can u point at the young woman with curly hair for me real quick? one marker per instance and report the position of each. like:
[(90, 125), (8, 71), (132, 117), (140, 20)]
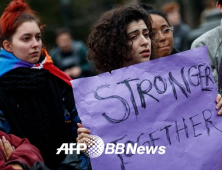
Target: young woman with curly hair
[(119, 38)]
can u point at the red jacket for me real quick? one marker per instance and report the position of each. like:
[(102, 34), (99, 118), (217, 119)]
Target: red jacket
[(25, 154)]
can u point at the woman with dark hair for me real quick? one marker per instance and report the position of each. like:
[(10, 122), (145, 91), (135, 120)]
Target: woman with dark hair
[(36, 97), (162, 41), (120, 38)]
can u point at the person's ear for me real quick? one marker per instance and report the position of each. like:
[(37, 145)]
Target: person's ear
[(7, 46), (219, 6)]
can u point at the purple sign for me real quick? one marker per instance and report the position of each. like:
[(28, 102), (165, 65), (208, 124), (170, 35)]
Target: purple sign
[(166, 102)]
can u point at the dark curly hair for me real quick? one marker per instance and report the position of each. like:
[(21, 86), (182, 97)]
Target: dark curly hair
[(108, 41)]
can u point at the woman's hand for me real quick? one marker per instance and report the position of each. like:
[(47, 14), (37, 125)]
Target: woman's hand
[(8, 149), (219, 104), (83, 134)]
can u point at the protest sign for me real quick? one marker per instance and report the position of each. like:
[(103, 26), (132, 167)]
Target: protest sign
[(164, 102)]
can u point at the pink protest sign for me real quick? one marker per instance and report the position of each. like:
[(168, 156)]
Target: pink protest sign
[(164, 102)]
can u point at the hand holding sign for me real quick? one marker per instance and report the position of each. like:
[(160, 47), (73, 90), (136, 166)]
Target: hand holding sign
[(83, 134), (219, 104)]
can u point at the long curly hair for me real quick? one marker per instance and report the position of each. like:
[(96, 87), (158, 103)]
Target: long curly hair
[(108, 42)]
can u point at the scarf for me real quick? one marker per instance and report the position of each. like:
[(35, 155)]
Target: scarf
[(36, 95), (9, 62)]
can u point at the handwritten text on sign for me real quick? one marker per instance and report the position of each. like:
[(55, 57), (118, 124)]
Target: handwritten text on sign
[(165, 102)]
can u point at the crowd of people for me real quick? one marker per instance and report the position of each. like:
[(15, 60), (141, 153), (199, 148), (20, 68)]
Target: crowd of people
[(37, 107)]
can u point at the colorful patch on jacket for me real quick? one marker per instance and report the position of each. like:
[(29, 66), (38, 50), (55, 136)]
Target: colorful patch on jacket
[(67, 116)]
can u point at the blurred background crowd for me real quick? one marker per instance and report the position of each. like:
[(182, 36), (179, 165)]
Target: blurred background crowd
[(190, 19)]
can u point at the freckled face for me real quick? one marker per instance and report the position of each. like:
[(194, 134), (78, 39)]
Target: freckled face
[(26, 42), (138, 34)]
